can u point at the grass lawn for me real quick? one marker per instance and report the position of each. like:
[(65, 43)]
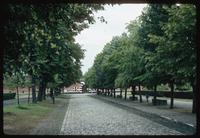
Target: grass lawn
[(21, 119)]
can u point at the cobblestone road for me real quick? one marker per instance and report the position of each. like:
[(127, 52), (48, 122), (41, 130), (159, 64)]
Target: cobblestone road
[(90, 116)]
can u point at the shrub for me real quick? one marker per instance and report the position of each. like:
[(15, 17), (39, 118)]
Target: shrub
[(8, 96)]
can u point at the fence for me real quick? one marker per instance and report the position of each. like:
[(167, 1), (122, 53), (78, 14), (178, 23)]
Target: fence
[(182, 95)]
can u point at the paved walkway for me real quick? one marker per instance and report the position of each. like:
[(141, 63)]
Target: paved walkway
[(179, 114), (98, 115)]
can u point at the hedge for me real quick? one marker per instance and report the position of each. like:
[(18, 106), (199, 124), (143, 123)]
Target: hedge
[(8, 96)]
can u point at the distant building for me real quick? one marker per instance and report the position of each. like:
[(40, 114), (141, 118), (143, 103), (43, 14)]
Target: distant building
[(76, 88), (20, 89)]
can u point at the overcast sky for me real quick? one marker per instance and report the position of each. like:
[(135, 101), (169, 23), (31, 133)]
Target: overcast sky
[(97, 35)]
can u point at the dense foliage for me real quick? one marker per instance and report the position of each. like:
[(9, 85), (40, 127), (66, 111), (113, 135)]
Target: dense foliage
[(41, 46), (159, 48)]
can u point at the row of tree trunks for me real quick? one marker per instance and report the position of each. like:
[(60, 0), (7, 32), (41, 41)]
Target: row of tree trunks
[(109, 92), (172, 97), (42, 90), (112, 91)]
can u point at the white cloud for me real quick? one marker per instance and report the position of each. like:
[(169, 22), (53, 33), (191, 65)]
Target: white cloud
[(97, 35)]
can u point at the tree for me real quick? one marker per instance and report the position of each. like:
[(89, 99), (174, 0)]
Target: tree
[(16, 80), (151, 22), (41, 42), (176, 52)]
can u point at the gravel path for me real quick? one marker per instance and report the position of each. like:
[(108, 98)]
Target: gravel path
[(89, 116)]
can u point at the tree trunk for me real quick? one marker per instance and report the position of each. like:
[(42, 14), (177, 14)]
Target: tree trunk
[(194, 98), (133, 91), (39, 98), (154, 97), (44, 91), (111, 94), (28, 95), (114, 93), (125, 93), (172, 95), (140, 94), (52, 95), (32, 59), (121, 93), (17, 95), (34, 100)]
